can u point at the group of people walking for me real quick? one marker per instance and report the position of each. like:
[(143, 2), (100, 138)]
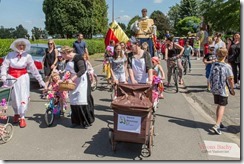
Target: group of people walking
[(55, 63)]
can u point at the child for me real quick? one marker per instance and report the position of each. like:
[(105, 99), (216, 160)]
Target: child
[(221, 76), (61, 66), (108, 56), (118, 65), (54, 87), (197, 48), (208, 59), (144, 46), (159, 72)]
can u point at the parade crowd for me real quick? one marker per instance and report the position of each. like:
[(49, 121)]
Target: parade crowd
[(137, 62)]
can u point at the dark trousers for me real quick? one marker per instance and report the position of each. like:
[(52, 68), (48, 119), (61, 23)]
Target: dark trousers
[(236, 72)]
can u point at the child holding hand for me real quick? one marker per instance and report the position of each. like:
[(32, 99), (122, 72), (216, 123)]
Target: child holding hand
[(158, 70)]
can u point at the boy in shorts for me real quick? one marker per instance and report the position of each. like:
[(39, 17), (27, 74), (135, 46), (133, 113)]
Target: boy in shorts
[(221, 82)]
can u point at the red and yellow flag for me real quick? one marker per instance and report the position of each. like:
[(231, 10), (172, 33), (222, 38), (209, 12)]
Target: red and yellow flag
[(115, 33)]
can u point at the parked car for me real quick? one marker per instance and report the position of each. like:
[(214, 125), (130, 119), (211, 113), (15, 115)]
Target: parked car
[(37, 52)]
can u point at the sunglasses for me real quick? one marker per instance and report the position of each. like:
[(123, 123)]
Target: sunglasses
[(50, 43)]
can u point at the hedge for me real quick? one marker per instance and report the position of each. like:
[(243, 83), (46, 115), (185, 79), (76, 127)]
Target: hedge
[(94, 45)]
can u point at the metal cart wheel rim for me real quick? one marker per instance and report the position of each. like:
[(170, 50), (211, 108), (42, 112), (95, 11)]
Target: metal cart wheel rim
[(7, 136)]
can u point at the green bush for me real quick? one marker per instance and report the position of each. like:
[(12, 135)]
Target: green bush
[(94, 45)]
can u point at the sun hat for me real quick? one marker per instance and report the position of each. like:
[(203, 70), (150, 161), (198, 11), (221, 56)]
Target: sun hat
[(155, 59), (15, 43)]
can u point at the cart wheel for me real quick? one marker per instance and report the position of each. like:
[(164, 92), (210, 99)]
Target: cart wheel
[(145, 152), (49, 117), (111, 139), (8, 132)]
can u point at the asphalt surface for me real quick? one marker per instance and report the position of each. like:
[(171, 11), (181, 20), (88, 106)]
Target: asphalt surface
[(196, 84), (181, 129)]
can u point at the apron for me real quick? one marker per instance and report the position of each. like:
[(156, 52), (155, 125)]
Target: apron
[(79, 95), (139, 70)]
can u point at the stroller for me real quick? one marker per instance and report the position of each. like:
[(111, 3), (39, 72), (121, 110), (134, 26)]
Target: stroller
[(133, 116), (6, 128)]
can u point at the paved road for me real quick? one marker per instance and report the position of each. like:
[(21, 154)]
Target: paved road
[(181, 133)]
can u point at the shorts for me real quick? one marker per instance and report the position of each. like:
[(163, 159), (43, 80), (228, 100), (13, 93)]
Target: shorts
[(120, 77), (220, 100)]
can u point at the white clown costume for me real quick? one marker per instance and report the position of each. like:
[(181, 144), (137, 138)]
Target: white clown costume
[(15, 66)]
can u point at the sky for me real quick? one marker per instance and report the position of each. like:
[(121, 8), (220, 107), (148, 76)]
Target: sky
[(29, 12)]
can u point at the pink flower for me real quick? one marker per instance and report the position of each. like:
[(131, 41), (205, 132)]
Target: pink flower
[(3, 102)]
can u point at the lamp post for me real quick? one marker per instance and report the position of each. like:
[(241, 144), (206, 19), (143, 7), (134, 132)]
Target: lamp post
[(112, 10)]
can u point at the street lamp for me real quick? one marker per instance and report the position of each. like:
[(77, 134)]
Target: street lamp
[(112, 10)]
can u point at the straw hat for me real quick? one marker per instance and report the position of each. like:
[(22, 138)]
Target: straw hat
[(14, 45)]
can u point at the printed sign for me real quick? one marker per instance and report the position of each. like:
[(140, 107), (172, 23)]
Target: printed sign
[(129, 123)]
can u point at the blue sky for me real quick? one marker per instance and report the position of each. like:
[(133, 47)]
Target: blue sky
[(29, 12)]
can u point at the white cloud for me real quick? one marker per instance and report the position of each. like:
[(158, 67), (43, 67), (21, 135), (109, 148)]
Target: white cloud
[(122, 11), (123, 18), (157, 1), (28, 21)]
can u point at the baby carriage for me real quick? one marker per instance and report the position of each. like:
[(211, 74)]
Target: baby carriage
[(133, 116), (6, 128)]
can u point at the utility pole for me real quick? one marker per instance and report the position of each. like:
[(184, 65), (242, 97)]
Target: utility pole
[(112, 10)]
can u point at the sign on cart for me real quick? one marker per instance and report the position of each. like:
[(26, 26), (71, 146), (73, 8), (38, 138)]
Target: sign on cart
[(129, 123)]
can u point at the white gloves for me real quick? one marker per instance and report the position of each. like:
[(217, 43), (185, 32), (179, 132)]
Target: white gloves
[(42, 84), (3, 78)]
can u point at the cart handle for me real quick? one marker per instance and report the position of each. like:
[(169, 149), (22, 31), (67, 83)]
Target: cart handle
[(8, 79)]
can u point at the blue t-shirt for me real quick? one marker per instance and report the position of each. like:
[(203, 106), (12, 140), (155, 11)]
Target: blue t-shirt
[(79, 47)]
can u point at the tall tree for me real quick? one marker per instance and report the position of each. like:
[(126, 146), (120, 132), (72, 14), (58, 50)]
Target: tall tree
[(20, 32), (162, 23), (173, 15), (188, 24), (222, 15), (68, 17), (188, 8)]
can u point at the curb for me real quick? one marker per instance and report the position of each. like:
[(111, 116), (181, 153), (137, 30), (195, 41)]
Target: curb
[(211, 112)]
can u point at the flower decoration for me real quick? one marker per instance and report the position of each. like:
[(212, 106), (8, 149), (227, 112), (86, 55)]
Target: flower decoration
[(50, 95), (3, 102), (67, 75), (156, 79)]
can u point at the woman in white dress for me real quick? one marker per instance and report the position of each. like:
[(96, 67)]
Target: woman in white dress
[(15, 66), (81, 100)]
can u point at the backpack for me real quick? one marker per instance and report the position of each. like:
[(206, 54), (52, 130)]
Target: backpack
[(217, 79)]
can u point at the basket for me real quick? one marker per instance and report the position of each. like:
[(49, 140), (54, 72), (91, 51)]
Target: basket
[(66, 86)]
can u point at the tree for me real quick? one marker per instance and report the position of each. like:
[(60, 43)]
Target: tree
[(188, 8), (173, 16), (6, 32), (68, 17), (162, 23), (20, 32), (128, 30), (37, 32), (222, 15), (188, 24)]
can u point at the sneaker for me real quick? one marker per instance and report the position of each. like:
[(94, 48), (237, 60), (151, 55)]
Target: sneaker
[(216, 129), (189, 70), (222, 127)]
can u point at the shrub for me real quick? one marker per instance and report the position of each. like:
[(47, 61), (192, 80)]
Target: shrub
[(94, 45)]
